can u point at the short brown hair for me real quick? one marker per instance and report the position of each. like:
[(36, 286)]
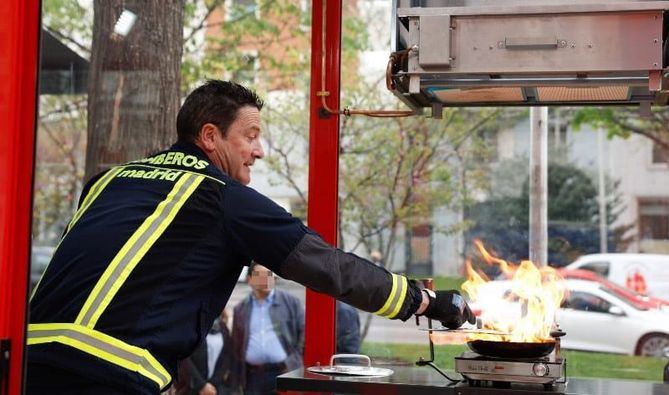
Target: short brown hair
[(214, 102)]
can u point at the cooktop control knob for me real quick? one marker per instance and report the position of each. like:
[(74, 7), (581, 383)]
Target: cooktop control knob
[(540, 369)]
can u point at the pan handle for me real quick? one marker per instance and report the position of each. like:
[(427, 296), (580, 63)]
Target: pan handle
[(351, 356)]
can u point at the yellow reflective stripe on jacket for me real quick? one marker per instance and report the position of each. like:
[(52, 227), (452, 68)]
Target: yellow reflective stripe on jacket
[(102, 346), (395, 300), (135, 248), (93, 193)]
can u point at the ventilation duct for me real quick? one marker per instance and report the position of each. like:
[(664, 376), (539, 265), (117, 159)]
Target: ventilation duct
[(505, 53)]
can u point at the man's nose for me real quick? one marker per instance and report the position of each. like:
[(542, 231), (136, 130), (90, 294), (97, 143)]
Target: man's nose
[(258, 152)]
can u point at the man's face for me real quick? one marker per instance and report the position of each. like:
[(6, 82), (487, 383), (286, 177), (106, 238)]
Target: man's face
[(237, 151), (261, 280)]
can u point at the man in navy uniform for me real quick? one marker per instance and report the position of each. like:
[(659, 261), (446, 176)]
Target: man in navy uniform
[(155, 248)]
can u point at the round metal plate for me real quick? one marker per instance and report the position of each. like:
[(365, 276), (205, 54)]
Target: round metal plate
[(351, 370)]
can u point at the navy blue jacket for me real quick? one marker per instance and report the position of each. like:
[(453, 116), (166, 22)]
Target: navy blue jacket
[(150, 259)]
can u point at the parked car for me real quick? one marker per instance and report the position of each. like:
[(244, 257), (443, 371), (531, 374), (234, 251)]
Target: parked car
[(643, 302), (40, 257), (647, 274), (593, 317)]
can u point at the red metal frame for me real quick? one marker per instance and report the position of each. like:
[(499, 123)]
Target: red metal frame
[(19, 24), (323, 171)]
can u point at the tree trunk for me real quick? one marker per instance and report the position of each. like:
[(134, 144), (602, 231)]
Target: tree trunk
[(133, 90)]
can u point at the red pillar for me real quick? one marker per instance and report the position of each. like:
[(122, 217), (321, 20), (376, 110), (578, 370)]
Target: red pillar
[(19, 38), (323, 171)]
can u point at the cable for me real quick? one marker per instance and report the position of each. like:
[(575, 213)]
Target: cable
[(395, 56)]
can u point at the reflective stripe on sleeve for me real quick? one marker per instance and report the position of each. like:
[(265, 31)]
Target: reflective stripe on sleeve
[(395, 300), (102, 346), (135, 248)]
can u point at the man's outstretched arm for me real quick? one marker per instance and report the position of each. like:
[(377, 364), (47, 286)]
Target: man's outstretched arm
[(362, 284)]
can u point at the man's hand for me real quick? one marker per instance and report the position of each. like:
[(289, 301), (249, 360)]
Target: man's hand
[(448, 307), (208, 389)]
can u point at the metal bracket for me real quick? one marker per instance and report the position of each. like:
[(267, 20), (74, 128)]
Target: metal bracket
[(323, 113), (644, 109), (434, 32), (437, 110), (422, 362), (4, 366)]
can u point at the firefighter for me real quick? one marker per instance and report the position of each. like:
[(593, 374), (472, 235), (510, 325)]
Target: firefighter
[(156, 246)]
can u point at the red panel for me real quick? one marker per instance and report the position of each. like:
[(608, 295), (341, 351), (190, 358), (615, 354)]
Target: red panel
[(323, 173), (19, 27)]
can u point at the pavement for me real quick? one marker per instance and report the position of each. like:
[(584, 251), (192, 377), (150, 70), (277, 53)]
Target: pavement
[(381, 330)]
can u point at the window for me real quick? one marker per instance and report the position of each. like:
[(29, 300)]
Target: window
[(601, 268), (584, 301), (660, 154), (654, 220)]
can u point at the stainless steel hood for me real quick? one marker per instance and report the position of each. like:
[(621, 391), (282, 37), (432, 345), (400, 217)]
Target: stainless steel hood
[(547, 52)]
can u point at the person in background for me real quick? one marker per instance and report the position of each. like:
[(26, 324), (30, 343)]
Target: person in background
[(348, 329), (267, 333), (210, 364)]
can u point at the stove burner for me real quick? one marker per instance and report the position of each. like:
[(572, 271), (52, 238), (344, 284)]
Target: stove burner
[(478, 369)]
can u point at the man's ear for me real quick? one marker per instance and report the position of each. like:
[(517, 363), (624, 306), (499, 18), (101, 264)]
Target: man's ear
[(207, 137)]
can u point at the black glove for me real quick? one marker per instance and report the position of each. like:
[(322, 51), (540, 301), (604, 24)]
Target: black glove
[(448, 307)]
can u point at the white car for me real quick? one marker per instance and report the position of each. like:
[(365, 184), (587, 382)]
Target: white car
[(593, 318)]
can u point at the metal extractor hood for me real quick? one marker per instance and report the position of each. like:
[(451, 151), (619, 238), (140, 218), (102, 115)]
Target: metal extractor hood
[(505, 53)]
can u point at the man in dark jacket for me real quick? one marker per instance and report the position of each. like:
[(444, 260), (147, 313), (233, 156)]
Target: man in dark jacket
[(348, 329), (155, 248), (267, 333)]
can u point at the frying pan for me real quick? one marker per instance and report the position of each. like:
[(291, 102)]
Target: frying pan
[(500, 349)]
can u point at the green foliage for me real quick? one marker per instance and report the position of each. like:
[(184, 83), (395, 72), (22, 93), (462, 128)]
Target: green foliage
[(625, 121), (600, 118), (572, 196), (70, 22), (255, 46), (448, 282)]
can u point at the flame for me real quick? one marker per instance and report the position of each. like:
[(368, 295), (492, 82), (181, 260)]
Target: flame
[(523, 308)]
